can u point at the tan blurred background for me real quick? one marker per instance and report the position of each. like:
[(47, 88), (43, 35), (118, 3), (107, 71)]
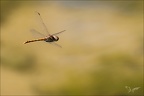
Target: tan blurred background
[(101, 54)]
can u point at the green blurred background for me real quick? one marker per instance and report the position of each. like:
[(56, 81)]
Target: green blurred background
[(101, 54)]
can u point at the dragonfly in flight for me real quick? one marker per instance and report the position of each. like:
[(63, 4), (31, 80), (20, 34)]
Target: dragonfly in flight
[(51, 38)]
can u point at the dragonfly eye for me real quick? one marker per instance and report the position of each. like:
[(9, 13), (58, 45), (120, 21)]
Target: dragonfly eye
[(56, 38)]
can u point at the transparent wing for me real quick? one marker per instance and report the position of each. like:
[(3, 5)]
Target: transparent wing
[(37, 34), (58, 32), (44, 26), (53, 43)]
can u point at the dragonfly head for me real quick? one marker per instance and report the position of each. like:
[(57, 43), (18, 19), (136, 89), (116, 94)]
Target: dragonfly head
[(56, 38)]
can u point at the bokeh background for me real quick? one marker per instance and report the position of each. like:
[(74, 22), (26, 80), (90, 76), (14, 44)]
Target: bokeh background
[(101, 54)]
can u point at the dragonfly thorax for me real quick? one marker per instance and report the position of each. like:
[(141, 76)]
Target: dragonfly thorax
[(52, 38)]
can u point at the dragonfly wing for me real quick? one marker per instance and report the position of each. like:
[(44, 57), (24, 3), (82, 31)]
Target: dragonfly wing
[(37, 34), (55, 44), (58, 32), (44, 26)]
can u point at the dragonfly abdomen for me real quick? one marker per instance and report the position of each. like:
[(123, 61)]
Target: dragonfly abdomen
[(43, 39)]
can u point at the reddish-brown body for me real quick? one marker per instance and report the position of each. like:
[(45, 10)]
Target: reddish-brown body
[(48, 38)]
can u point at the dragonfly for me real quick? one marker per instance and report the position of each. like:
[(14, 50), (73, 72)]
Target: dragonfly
[(50, 38)]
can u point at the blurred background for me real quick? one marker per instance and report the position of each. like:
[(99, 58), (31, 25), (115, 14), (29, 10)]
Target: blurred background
[(101, 54)]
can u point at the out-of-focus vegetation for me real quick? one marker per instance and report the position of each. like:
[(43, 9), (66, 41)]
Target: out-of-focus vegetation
[(101, 54)]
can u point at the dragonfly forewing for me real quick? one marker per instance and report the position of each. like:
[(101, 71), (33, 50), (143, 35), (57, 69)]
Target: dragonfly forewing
[(37, 34), (44, 26), (58, 32)]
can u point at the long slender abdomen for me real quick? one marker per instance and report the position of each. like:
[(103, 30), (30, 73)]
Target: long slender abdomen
[(34, 40)]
